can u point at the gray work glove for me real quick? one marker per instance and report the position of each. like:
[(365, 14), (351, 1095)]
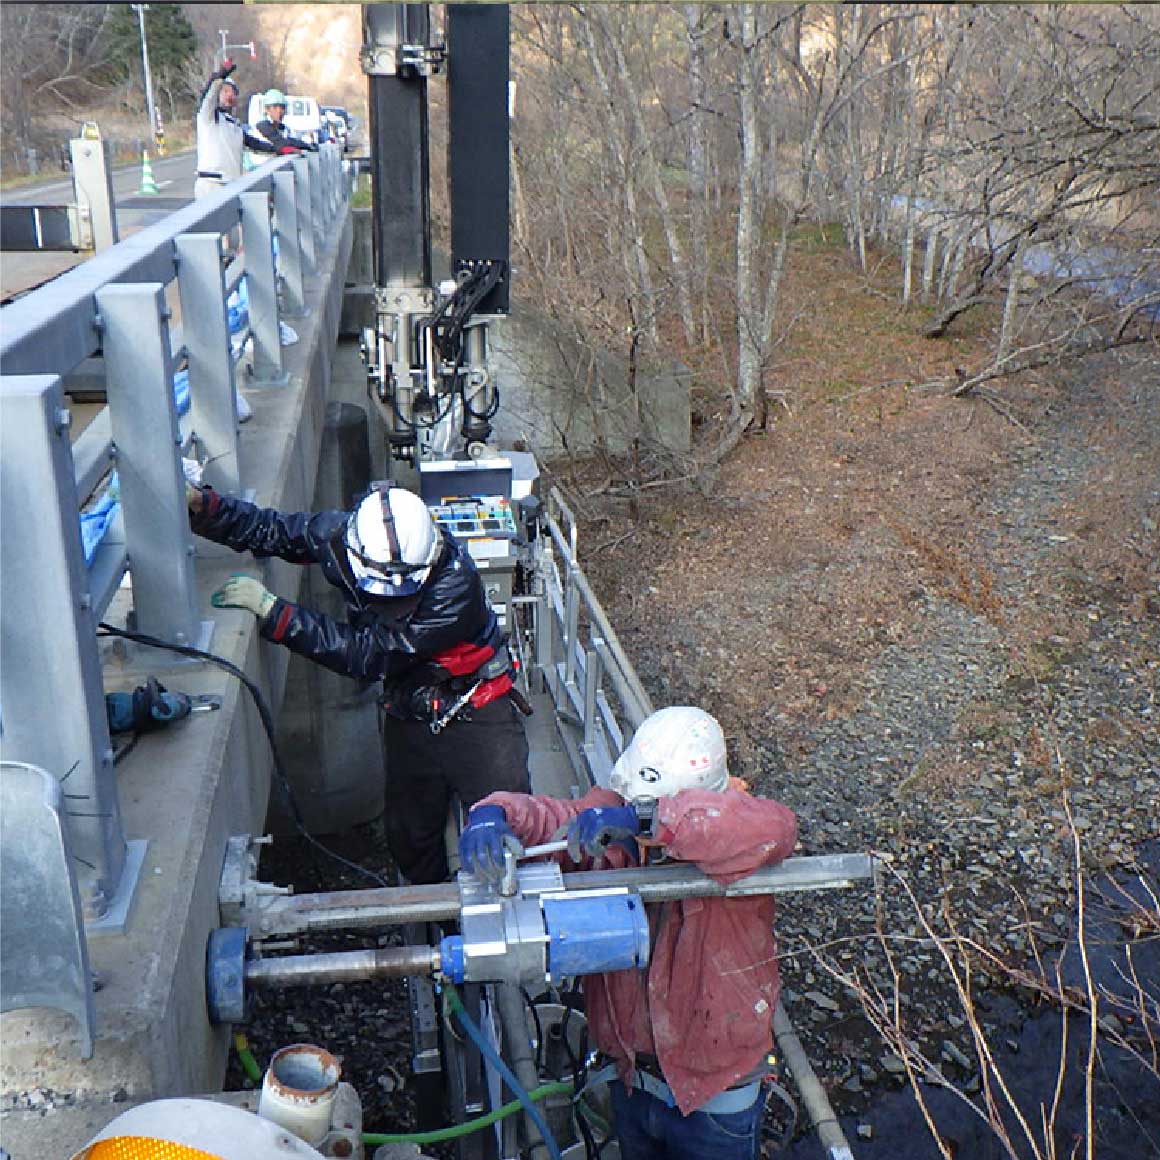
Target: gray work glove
[(242, 591)]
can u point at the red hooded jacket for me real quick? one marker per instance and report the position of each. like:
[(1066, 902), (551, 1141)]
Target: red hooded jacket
[(705, 1005)]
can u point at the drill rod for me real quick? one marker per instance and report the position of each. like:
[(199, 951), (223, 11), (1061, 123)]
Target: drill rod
[(385, 907), (342, 967)]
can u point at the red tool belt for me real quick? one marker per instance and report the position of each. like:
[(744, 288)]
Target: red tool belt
[(491, 668)]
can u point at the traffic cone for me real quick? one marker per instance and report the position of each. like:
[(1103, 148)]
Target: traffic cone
[(148, 185)]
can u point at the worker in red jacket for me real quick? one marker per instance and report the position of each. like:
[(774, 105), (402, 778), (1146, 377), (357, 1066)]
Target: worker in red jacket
[(690, 1036)]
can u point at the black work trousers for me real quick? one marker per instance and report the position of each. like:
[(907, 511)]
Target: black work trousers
[(423, 770)]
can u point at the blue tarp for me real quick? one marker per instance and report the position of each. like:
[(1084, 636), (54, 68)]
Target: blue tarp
[(96, 522)]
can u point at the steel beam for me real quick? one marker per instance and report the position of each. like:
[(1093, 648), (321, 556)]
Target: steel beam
[(54, 329), (139, 382), (262, 289), (212, 387), (51, 663)]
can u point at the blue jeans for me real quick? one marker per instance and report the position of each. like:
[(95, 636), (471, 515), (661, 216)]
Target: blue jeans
[(650, 1130)]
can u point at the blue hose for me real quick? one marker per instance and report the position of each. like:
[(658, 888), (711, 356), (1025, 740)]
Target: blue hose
[(492, 1056)]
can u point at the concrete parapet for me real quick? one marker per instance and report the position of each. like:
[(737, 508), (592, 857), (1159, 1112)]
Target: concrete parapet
[(185, 790)]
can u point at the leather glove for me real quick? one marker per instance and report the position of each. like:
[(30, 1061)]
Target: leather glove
[(592, 831), (483, 842), (242, 591), (228, 67)]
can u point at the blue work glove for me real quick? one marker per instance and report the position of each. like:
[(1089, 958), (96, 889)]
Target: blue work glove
[(592, 831), (483, 842)]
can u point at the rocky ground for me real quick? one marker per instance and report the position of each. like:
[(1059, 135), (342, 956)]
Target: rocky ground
[(934, 630), (930, 625)]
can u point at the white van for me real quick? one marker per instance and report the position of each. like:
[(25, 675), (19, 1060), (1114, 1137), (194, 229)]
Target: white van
[(303, 116)]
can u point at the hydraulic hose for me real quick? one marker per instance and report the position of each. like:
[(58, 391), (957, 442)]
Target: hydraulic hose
[(492, 1056), (438, 1135)]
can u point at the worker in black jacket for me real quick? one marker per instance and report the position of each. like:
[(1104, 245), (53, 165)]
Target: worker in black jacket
[(418, 618), (273, 125)]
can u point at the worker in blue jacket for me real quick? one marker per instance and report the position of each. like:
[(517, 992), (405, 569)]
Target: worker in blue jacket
[(418, 619)]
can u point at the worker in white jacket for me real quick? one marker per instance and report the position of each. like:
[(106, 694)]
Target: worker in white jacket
[(220, 135)]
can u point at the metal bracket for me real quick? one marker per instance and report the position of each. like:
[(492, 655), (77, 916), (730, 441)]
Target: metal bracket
[(392, 60), (241, 895), (399, 299)]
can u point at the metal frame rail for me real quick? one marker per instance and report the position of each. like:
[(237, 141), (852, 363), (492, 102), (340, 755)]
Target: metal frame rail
[(114, 306), (578, 656), (596, 692)]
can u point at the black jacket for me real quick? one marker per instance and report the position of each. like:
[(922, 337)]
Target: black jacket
[(383, 637), (280, 137)]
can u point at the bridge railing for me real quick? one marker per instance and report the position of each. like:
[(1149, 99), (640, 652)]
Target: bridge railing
[(164, 304), (593, 684)]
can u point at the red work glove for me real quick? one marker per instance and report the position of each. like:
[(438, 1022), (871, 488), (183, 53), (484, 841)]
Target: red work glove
[(228, 67)]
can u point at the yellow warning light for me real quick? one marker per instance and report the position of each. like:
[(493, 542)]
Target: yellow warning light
[(144, 1148)]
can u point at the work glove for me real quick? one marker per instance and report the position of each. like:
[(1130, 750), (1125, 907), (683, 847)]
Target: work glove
[(194, 491), (228, 67), (483, 842), (592, 831), (242, 591)]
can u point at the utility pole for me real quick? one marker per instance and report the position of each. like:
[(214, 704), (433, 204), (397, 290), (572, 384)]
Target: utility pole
[(140, 10)]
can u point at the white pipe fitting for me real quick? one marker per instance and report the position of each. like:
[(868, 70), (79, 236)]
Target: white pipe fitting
[(299, 1089)]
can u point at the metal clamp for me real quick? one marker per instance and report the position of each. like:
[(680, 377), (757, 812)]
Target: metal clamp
[(402, 59)]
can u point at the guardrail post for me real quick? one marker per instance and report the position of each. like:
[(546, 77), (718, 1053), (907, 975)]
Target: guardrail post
[(571, 627), (143, 418), (324, 173), (332, 156), (317, 225), (50, 681), (302, 183), (289, 245), (213, 401), (262, 287), (93, 188)]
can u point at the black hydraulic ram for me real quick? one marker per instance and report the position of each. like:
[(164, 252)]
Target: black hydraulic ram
[(397, 60)]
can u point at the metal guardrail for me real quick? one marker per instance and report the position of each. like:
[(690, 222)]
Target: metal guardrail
[(584, 668), (114, 306)]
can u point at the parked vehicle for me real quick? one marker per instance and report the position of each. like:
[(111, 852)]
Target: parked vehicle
[(344, 124)]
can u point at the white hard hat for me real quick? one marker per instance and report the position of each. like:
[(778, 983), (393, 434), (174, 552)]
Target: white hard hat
[(391, 542), (194, 1129), (681, 747)]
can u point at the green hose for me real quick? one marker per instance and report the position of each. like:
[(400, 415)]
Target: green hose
[(457, 1130), (246, 1058)]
